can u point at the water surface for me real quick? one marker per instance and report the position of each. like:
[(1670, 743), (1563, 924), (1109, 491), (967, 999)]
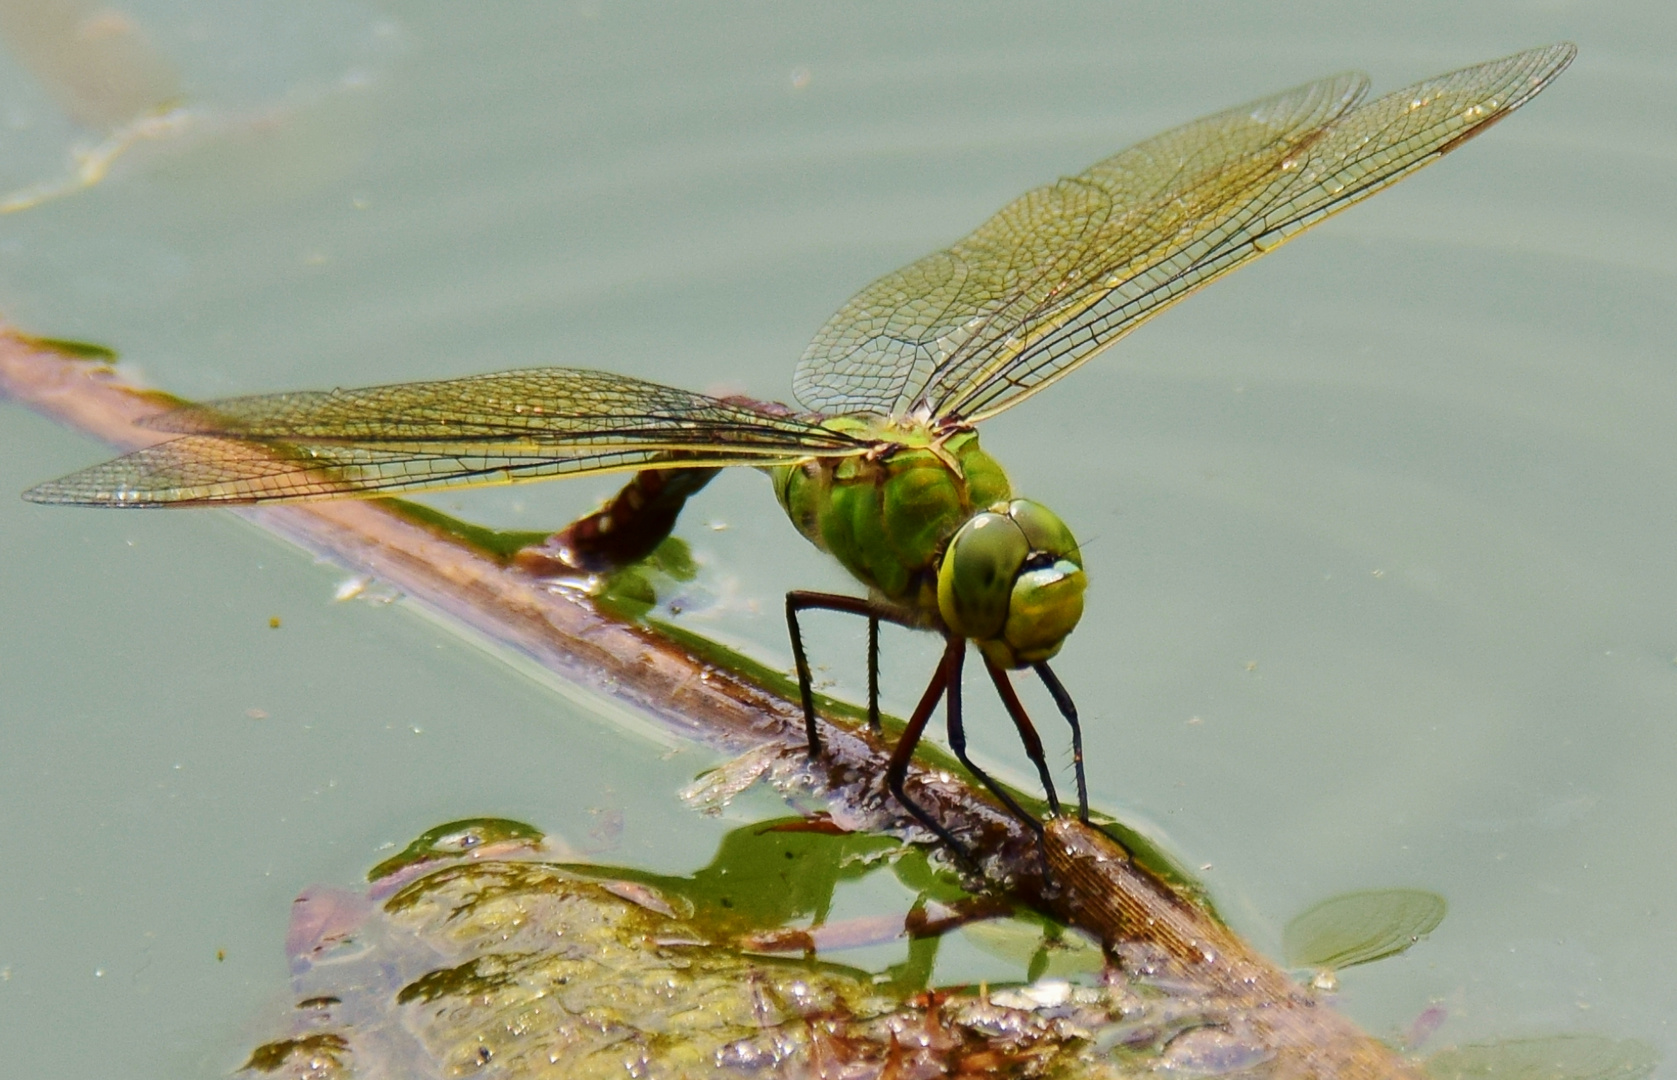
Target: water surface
[(1378, 529)]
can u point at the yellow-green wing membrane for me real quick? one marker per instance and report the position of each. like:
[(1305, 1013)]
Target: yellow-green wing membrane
[(1069, 268), (487, 429), (884, 349)]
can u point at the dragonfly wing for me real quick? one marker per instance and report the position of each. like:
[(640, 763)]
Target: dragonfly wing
[(487, 429), (1363, 151), (554, 407), (880, 352), (1069, 268), (201, 470)]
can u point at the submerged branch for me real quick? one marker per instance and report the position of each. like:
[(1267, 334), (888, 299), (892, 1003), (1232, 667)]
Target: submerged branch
[(1152, 930)]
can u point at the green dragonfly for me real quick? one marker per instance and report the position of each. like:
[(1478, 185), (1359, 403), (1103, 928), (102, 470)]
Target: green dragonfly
[(881, 467)]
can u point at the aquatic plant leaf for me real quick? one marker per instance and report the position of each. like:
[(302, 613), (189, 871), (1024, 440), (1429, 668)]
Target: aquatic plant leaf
[(1360, 927), (1557, 1057)]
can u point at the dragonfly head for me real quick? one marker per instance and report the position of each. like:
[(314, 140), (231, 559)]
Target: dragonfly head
[(1012, 580)]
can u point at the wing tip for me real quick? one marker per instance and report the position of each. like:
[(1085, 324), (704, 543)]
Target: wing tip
[(1555, 59), (63, 493), (1537, 67), (1544, 62)]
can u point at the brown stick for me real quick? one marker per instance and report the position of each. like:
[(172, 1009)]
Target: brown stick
[(1093, 884)]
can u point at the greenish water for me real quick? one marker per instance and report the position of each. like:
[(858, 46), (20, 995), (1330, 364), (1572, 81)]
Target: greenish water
[(1378, 530)]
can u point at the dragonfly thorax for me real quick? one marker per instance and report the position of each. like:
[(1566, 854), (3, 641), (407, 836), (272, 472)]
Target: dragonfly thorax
[(930, 525)]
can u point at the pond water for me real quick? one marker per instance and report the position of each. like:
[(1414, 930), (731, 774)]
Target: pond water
[(1378, 530)]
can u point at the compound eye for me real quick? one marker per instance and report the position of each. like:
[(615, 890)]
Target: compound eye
[(975, 581), (1044, 530), (1045, 606)]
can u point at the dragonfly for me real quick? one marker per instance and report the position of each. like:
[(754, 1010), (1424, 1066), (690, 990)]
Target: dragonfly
[(880, 465)]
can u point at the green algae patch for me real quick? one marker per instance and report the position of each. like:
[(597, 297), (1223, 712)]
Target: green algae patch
[(497, 544), (481, 975), (78, 350), (455, 839), (323, 1055)]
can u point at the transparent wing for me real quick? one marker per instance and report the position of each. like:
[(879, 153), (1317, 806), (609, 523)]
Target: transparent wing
[(1069, 268), (487, 429), (1365, 150), (880, 352)]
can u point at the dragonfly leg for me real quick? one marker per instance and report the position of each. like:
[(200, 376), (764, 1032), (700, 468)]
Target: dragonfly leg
[(873, 674), (802, 600), (897, 770), (958, 743), (1027, 731), (1068, 709)]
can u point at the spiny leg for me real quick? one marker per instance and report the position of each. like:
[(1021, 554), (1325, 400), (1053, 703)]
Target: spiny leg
[(1027, 732), (958, 743), (897, 770), (873, 674), (1068, 709), (801, 600)]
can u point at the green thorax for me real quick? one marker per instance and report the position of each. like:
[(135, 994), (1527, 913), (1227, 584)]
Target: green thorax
[(888, 516)]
